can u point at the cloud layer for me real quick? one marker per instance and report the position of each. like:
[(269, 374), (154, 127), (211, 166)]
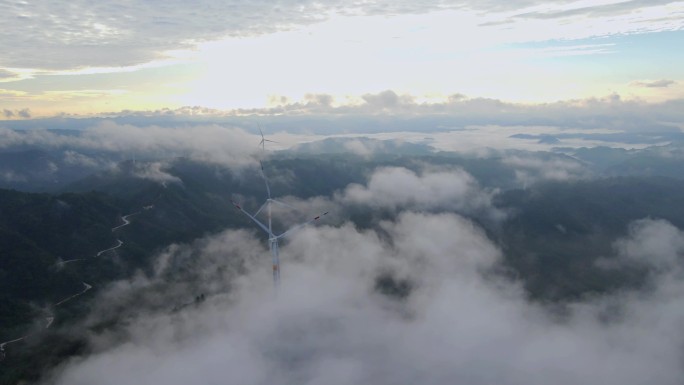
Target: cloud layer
[(229, 146), (331, 324), (530, 169), (55, 36), (390, 111)]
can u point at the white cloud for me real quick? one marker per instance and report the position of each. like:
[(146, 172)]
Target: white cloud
[(232, 147), (328, 324), (72, 157), (393, 111), (397, 187), (359, 147), (530, 169), (209, 143), (154, 171), (114, 34), (652, 242)]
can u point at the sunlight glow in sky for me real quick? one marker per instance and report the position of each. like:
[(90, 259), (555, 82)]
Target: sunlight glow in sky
[(509, 51)]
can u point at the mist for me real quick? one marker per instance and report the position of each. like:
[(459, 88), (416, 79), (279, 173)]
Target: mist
[(209, 143), (458, 319)]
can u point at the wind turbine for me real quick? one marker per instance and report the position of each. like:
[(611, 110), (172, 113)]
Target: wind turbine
[(263, 140), (273, 238)]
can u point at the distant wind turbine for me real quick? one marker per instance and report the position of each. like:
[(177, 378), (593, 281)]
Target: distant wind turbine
[(263, 140), (273, 238)]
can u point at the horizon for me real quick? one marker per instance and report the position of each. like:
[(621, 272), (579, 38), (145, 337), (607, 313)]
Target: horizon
[(112, 59)]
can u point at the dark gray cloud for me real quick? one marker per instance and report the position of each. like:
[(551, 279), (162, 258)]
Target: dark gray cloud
[(24, 113), (328, 324)]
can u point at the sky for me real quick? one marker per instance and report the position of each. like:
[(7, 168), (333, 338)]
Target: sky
[(103, 58)]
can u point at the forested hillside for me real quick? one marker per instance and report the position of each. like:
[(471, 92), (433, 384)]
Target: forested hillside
[(111, 225)]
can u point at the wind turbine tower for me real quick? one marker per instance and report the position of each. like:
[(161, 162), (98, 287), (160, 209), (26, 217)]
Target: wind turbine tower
[(273, 239)]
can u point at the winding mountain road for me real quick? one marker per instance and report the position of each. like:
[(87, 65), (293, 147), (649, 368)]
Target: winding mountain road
[(125, 220), (62, 263), (85, 289), (120, 243), (49, 319)]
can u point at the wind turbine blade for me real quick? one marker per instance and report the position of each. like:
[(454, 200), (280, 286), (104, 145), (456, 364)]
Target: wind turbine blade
[(260, 208), (263, 175), (263, 227), (263, 140), (283, 204), (299, 226)]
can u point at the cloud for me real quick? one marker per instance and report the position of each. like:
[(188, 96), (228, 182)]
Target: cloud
[(5, 75), (111, 34), (11, 176), (530, 169), (13, 95), (77, 159), (358, 147), (208, 143), (398, 188), (610, 9), (181, 272), (387, 100), (663, 83), (331, 323), (389, 111), (652, 242), (24, 113), (154, 171), (456, 123), (453, 124)]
